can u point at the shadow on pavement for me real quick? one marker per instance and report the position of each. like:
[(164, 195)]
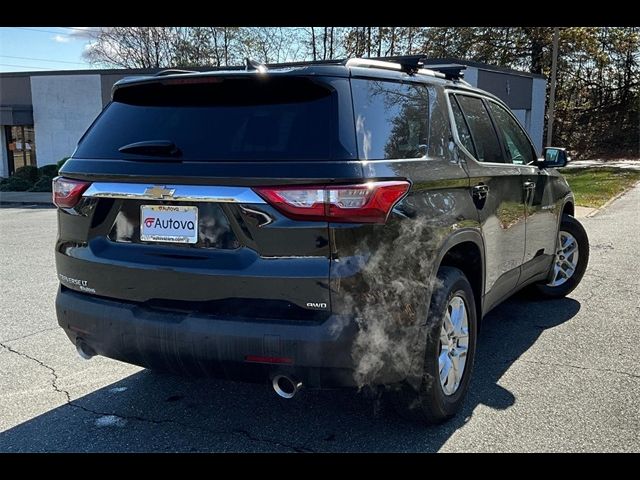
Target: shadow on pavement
[(149, 411)]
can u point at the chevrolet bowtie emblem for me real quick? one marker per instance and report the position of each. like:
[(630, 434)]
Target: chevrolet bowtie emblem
[(159, 192)]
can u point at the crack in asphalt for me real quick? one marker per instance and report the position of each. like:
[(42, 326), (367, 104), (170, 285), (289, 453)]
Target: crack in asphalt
[(242, 432), (28, 335), (569, 365), (52, 371)]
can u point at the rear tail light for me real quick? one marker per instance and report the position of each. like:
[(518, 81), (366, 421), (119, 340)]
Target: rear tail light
[(67, 192), (368, 202)]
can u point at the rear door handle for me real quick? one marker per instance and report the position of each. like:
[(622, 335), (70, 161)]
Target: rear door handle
[(481, 191), (479, 195)]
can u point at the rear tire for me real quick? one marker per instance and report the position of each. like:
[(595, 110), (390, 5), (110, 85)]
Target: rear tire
[(571, 234), (435, 400)]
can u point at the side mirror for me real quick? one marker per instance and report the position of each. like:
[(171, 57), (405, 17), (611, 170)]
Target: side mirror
[(554, 157)]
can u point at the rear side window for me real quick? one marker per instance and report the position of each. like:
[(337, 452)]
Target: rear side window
[(461, 125), (227, 119), (484, 135), (391, 119), (519, 148)]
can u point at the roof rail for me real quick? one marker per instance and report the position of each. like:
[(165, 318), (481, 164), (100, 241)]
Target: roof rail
[(419, 64), (172, 71), (371, 63), (411, 66)]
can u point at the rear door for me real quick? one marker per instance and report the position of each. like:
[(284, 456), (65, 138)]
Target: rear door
[(496, 187), (171, 219)]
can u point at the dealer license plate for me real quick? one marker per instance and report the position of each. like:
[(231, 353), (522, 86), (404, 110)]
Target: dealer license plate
[(169, 223)]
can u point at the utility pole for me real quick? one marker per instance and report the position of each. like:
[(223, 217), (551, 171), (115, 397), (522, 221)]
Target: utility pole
[(552, 92)]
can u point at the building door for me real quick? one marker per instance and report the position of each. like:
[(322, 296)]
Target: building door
[(21, 146)]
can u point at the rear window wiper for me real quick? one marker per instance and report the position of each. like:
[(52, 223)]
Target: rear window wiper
[(160, 148)]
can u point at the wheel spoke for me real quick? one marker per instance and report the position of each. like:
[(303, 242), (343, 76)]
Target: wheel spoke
[(444, 338), (455, 361), (452, 378), (570, 249), (458, 317), (568, 267), (447, 324), (445, 368), (461, 351), (462, 333), (556, 273), (459, 326)]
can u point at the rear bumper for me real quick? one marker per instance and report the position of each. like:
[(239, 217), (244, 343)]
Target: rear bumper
[(206, 345)]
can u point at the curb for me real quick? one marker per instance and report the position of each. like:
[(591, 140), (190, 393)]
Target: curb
[(5, 204), (611, 200), (8, 199)]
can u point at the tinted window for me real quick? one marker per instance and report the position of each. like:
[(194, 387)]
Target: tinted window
[(484, 135), (226, 119), (391, 119), (518, 146), (461, 126)]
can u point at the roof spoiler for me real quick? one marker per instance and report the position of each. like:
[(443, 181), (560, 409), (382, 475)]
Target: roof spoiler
[(173, 71)]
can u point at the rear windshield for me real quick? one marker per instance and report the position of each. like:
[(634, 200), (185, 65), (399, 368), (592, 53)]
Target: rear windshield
[(227, 119)]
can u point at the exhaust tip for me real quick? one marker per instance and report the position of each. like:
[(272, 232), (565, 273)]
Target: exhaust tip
[(84, 350), (285, 387)]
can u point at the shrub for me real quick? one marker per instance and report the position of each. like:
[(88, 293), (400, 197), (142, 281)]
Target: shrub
[(28, 173), (15, 184), (42, 185), (48, 171)]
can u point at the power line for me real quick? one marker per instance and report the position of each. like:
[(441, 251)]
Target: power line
[(81, 29), (38, 30), (42, 59), (29, 29), (23, 66)]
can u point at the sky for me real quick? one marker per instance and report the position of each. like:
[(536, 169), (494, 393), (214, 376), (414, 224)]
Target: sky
[(25, 49)]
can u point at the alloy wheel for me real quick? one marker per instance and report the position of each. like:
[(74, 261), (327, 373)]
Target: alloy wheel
[(566, 260), (454, 344)]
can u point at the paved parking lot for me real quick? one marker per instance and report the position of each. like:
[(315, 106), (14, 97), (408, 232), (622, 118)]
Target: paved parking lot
[(550, 376)]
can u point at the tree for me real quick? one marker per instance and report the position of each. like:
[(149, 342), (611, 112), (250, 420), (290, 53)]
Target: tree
[(133, 47), (597, 104)]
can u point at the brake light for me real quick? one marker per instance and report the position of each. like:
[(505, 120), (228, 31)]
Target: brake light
[(67, 192), (368, 202), (192, 80)]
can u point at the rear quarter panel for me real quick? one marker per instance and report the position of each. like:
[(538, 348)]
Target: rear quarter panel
[(382, 275)]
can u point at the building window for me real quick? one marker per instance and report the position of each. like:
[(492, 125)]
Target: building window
[(21, 146)]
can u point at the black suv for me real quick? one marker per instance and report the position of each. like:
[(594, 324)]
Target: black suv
[(322, 225)]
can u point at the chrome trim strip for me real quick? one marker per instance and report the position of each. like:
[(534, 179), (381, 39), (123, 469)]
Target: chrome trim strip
[(181, 193)]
